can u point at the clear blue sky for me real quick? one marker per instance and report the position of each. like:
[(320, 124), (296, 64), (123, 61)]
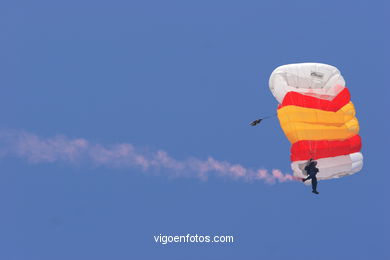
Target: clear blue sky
[(186, 77)]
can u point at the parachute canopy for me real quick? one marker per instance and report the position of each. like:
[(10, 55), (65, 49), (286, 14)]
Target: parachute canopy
[(318, 118)]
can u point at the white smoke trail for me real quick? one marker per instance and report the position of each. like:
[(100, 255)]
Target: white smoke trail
[(124, 155)]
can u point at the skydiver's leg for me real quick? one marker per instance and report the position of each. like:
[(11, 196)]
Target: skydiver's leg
[(314, 184), (308, 178)]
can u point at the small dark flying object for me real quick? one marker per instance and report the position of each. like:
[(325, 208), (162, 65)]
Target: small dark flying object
[(256, 122)]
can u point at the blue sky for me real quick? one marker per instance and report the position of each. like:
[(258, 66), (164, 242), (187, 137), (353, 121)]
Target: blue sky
[(185, 77)]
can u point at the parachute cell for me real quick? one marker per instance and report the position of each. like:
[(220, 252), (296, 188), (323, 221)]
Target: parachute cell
[(318, 118)]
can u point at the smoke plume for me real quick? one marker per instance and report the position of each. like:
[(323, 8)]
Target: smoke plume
[(60, 148)]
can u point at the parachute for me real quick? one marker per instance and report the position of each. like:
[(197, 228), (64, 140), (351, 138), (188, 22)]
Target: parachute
[(318, 118)]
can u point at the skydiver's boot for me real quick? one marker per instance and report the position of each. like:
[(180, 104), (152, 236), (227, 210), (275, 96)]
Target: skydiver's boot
[(314, 185)]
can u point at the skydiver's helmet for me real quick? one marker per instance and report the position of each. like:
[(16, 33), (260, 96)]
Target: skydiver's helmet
[(312, 162)]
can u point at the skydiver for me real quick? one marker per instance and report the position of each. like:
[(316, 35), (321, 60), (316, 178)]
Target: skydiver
[(312, 171)]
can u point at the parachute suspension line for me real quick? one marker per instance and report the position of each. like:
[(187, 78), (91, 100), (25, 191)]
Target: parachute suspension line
[(270, 116)]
